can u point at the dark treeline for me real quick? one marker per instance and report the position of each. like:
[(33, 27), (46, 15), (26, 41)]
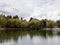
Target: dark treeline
[(14, 22)]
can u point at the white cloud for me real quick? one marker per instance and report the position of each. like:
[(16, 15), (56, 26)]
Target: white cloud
[(32, 8)]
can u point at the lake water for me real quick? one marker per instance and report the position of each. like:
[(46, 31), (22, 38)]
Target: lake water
[(29, 37)]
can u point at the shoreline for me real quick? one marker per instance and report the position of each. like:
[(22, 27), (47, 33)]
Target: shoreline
[(29, 29)]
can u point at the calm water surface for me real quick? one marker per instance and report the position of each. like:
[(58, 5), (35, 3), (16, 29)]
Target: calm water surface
[(32, 37)]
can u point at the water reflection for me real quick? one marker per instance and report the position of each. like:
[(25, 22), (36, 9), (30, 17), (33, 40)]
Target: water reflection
[(29, 37)]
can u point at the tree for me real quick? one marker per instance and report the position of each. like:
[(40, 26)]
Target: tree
[(34, 24), (15, 17), (13, 23), (51, 24), (58, 23), (43, 23), (2, 20), (9, 17), (31, 19)]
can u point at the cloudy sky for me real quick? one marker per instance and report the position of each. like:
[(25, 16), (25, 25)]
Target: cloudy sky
[(39, 9)]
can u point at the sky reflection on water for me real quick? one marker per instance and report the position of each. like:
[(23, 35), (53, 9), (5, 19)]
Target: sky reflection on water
[(29, 38)]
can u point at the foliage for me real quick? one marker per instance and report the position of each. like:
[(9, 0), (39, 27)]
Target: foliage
[(51, 24), (9, 17), (58, 23), (34, 24), (2, 20), (15, 22), (15, 17), (43, 23)]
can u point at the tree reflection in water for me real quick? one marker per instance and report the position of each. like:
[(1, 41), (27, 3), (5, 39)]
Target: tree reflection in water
[(6, 35)]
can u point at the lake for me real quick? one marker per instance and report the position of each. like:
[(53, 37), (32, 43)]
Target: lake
[(29, 37)]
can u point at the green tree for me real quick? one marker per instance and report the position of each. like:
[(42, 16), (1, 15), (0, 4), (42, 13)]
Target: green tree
[(2, 20), (34, 24), (9, 17), (51, 24), (43, 23), (15, 17), (13, 23), (31, 19), (58, 23)]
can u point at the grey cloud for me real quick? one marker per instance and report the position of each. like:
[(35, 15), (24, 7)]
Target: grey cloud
[(25, 8)]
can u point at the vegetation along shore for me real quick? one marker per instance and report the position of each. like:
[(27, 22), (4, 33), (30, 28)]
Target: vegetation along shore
[(16, 22)]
